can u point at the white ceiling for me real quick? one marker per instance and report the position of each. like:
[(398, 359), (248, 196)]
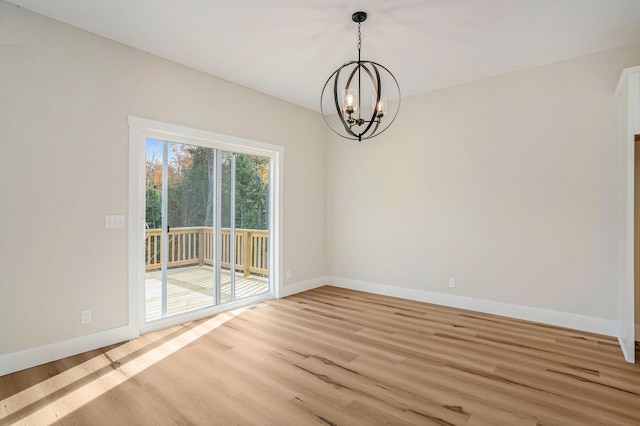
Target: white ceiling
[(288, 48)]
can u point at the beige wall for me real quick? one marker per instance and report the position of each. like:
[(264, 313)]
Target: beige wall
[(507, 184), (65, 96)]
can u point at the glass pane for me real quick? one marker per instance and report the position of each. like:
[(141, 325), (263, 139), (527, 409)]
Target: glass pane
[(189, 206), (252, 225), (153, 232), (225, 234)]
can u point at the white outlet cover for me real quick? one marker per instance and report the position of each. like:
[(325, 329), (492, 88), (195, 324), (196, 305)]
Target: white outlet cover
[(114, 221)]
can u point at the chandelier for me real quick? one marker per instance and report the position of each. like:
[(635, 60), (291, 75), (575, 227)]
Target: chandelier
[(345, 112)]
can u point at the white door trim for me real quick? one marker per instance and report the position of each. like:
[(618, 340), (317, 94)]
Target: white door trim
[(139, 130)]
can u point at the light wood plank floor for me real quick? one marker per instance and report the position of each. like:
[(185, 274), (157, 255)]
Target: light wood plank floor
[(331, 356), (192, 288)]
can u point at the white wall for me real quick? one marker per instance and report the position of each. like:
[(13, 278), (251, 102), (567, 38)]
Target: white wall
[(507, 184), (65, 96)]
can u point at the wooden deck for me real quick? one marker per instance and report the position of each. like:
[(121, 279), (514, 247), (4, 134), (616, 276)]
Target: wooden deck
[(192, 288)]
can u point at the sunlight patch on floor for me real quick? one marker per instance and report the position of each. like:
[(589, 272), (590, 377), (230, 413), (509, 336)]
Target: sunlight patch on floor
[(84, 394)]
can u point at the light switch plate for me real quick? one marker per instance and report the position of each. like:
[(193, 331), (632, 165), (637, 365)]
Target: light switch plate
[(114, 221)]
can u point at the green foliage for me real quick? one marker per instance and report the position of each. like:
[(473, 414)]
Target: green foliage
[(191, 185), (154, 194), (252, 184), (190, 200)]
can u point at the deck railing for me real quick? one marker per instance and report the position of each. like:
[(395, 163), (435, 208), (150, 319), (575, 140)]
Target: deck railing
[(194, 246)]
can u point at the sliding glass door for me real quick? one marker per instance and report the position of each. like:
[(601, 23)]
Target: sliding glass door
[(207, 232), (245, 219)]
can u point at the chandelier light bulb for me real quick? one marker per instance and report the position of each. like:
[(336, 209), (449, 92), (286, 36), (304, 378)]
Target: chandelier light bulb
[(349, 103), (379, 107)]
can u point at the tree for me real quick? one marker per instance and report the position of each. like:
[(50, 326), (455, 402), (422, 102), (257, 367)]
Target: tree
[(252, 181), (191, 189), (191, 183), (251, 195), (154, 192)]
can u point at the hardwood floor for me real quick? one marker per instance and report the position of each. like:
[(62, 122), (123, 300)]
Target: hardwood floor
[(331, 356)]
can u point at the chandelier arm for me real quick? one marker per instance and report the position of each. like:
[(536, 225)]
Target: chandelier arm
[(377, 87), (375, 129), (373, 81), (348, 84), (335, 98), (399, 98)]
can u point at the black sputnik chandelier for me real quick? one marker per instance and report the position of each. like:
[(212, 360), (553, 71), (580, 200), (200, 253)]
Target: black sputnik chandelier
[(353, 83)]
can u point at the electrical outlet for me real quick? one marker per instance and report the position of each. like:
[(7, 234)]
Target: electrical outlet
[(288, 273), (86, 316), (452, 282)]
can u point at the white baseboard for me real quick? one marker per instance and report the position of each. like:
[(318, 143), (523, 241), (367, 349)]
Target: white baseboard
[(562, 319), (290, 289), (628, 356), (16, 361)]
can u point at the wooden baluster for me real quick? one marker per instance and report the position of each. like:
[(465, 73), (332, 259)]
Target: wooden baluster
[(246, 255), (171, 247), (160, 250), (255, 252), (224, 256), (223, 248), (174, 247), (151, 241), (209, 247), (201, 248), (181, 252), (207, 242), (154, 250)]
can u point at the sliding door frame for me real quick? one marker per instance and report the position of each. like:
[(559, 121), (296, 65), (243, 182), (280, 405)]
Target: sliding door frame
[(140, 130)]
